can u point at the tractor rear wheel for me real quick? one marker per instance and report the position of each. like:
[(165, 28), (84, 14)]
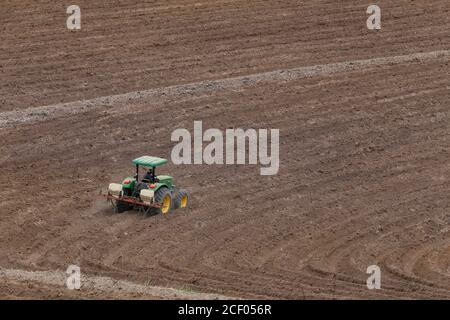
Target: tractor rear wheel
[(182, 199), (163, 197)]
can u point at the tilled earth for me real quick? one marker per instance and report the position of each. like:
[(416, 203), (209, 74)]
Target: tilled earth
[(364, 153)]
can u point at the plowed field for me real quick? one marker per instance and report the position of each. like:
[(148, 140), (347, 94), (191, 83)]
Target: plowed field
[(364, 120)]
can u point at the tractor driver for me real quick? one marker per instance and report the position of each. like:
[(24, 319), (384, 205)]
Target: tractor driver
[(150, 176)]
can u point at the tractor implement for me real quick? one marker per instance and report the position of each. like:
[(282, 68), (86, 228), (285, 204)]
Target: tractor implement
[(133, 201), (151, 194)]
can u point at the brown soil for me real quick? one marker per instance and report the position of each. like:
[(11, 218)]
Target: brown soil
[(364, 175)]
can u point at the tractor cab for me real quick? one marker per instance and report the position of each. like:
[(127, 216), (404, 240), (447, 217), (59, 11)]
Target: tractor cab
[(149, 164), (149, 179)]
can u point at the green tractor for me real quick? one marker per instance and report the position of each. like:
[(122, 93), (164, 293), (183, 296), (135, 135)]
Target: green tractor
[(152, 194)]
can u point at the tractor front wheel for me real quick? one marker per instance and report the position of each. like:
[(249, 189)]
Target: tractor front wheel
[(163, 197)]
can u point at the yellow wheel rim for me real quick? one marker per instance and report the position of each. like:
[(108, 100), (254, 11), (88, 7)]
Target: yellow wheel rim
[(166, 204), (184, 200)]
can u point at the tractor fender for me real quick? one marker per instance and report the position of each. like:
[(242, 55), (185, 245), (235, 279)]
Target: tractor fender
[(161, 185)]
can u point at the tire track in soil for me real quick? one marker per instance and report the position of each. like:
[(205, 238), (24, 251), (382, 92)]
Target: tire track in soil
[(36, 114), (103, 284)]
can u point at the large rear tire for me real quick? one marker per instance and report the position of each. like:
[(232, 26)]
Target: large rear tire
[(182, 199), (163, 197)]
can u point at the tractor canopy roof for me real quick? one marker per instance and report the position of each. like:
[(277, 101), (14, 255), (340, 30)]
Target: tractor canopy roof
[(148, 161)]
